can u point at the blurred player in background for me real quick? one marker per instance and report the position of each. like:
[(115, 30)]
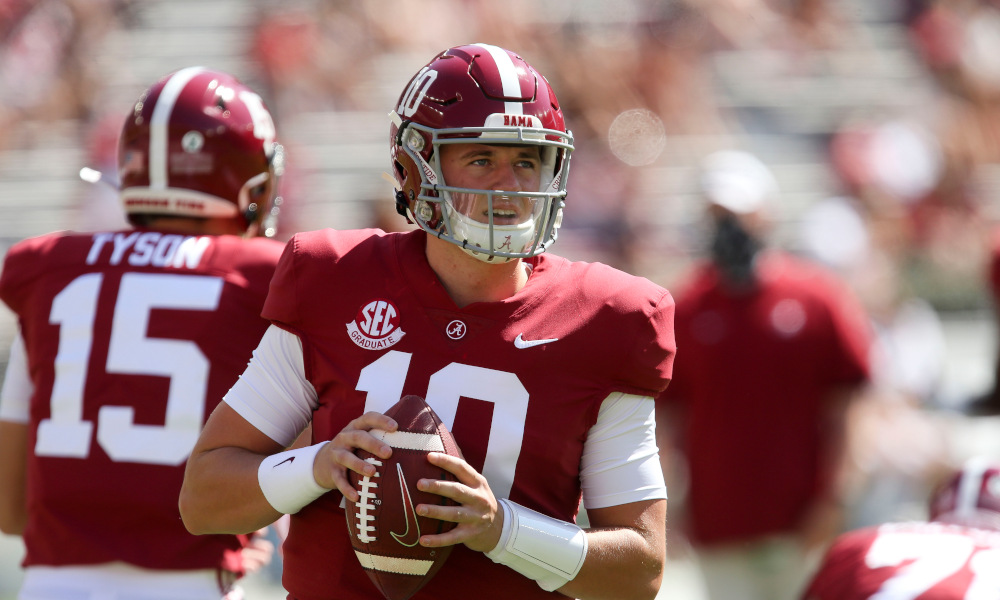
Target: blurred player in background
[(544, 369), (989, 403), (127, 341), (773, 350), (954, 556)]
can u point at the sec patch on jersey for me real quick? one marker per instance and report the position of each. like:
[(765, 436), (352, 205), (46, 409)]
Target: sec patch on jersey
[(384, 527)]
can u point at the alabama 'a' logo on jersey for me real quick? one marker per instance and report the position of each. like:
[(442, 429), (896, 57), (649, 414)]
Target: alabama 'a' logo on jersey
[(376, 326)]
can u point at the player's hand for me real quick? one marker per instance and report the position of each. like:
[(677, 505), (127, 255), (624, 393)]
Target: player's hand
[(337, 457), (478, 514), (258, 552)]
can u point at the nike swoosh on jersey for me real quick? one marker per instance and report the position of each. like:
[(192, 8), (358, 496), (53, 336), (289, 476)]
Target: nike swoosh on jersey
[(407, 538), (521, 343)]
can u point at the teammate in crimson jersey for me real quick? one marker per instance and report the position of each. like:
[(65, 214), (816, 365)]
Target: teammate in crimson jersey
[(955, 556), (543, 369), (128, 339), (772, 349)]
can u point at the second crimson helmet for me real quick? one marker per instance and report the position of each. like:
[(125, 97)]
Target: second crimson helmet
[(199, 143), (486, 95), (969, 497)]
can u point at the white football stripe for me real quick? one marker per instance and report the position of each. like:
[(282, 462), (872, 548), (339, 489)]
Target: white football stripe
[(158, 138), (389, 564), (508, 77), (407, 440)]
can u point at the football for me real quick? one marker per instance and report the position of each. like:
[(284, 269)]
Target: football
[(383, 525)]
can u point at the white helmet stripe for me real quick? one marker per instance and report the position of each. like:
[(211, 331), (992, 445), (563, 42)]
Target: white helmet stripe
[(508, 77), (970, 485), (158, 138)]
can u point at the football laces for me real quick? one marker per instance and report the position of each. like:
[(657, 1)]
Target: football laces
[(366, 505)]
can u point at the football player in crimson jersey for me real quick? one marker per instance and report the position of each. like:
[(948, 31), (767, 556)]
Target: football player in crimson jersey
[(543, 369), (954, 556), (128, 340)]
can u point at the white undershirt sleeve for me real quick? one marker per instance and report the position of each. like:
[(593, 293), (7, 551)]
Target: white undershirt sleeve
[(15, 397), (620, 462), (273, 393)]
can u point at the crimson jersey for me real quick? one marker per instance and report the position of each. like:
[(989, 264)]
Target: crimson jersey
[(521, 381), (132, 338), (915, 561), (994, 264), (755, 374)]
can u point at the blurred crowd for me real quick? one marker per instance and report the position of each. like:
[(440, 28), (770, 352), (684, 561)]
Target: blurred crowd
[(646, 88), (880, 121)]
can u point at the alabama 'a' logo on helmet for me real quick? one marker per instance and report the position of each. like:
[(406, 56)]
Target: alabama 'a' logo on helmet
[(376, 326)]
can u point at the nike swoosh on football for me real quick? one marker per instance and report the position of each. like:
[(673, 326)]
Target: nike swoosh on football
[(288, 460), (521, 343), (407, 538)]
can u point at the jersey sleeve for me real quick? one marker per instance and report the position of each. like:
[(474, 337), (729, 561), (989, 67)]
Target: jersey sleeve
[(18, 273), (281, 305), (648, 366)]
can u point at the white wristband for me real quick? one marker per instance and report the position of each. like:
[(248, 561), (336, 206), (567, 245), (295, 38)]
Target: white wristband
[(286, 478), (547, 550)]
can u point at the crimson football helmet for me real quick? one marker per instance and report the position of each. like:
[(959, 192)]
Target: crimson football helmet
[(199, 143), (486, 95), (969, 497)]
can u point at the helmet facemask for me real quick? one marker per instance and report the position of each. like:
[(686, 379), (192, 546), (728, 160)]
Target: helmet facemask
[(258, 197)]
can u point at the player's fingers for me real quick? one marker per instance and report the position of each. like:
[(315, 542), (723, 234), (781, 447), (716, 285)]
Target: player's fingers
[(347, 441), (349, 460), (341, 483), (472, 525), (457, 491), (456, 466), (454, 514), (451, 538), (372, 420), (257, 554), (332, 464)]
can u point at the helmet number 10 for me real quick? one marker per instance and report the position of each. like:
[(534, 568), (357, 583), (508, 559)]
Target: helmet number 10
[(416, 91)]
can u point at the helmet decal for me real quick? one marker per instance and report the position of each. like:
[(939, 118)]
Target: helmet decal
[(192, 141), (414, 93)]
